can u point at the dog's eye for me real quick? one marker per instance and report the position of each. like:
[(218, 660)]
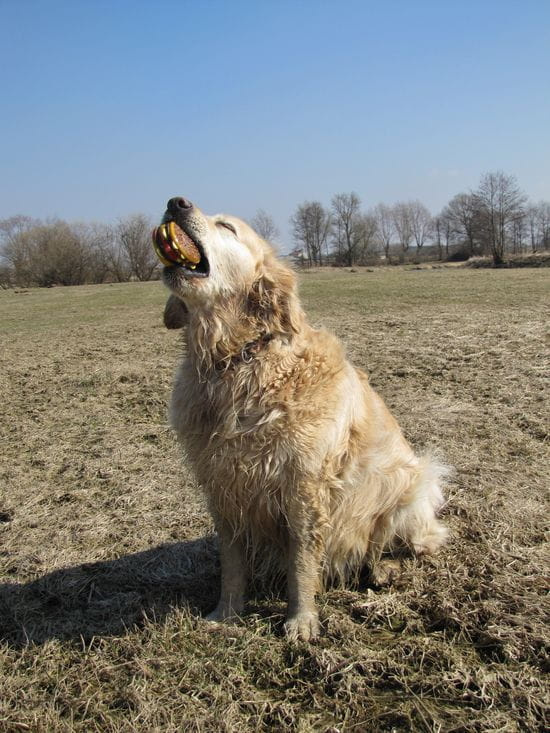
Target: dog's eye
[(227, 225)]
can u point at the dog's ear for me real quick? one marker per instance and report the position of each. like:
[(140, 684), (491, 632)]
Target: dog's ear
[(273, 299), (176, 314)]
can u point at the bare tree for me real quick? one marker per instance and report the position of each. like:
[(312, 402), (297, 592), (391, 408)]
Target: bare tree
[(519, 226), (531, 219), (14, 249), (367, 230), (13, 227), (60, 256), (263, 223), (57, 254), (97, 238), (44, 254), (302, 235), (500, 202), (543, 219), (7, 277), (463, 213), (402, 221), (134, 236), (385, 228), (537, 223), (347, 230), (118, 264), (311, 225), (421, 223), (437, 234), (447, 229)]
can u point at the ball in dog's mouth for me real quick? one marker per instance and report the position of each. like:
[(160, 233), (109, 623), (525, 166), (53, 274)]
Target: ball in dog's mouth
[(174, 247)]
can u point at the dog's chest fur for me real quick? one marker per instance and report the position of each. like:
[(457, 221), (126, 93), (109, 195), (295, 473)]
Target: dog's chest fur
[(252, 431)]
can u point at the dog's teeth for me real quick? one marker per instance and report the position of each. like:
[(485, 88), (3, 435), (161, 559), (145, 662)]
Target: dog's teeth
[(171, 241)]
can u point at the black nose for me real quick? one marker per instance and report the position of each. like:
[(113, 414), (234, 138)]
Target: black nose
[(179, 205)]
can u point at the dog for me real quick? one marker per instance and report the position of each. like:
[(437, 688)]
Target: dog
[(302, 464)]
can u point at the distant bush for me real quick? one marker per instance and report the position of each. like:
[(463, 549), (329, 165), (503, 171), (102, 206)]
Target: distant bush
[(460, 255), (6, 277), (54, 252), (534, 259)]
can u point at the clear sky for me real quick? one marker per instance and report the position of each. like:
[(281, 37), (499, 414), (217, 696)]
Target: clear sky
[(110, 108)]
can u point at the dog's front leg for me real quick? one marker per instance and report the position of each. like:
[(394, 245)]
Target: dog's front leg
[(233, 583), (306, 546)]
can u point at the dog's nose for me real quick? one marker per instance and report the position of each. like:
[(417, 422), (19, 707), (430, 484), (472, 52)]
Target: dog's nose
[(179, 205)]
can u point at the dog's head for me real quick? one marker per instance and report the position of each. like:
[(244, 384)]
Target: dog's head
[(213, 260)]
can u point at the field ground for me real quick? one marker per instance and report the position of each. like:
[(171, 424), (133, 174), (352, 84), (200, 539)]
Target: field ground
[(107, 558)]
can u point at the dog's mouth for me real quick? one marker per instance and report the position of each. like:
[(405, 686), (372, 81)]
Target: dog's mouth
[(175, 248)]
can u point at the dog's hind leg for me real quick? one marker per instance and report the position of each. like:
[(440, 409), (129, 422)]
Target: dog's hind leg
[(385, 571)]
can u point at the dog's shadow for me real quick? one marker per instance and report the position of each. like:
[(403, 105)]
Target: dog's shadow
[(108, 598)]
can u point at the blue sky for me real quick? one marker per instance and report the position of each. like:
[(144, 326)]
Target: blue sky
[(110, 108)]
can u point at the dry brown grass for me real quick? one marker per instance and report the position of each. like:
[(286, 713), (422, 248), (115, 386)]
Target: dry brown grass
[(107, 557)]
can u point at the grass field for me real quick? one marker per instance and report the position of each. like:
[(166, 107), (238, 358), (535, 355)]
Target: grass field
[(107, 557)]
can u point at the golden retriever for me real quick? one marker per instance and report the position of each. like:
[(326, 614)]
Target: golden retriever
[(300, 460)]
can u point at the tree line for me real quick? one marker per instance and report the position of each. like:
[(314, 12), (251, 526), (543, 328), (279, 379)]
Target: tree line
[(54, 252), (494, 219)]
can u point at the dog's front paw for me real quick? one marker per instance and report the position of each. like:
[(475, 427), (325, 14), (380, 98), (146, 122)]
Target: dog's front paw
[(302, 626), (222, 613)]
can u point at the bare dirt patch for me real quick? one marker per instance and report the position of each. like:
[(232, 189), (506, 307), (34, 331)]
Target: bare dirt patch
[(107, 557)]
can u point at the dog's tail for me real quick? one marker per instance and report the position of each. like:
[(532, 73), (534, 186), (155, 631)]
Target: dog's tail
[(415, 524)]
